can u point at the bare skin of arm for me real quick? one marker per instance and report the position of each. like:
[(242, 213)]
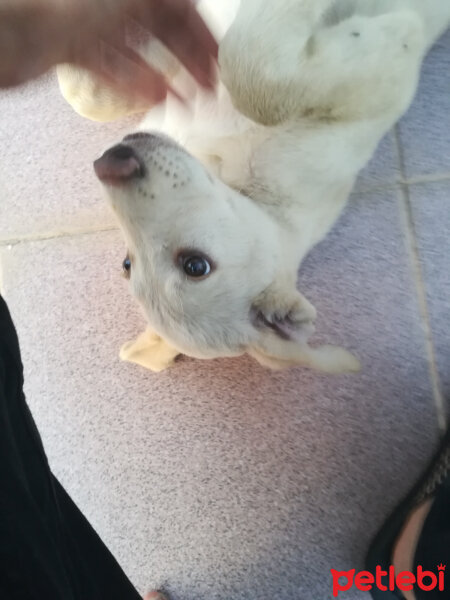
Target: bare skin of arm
[(38, 34)]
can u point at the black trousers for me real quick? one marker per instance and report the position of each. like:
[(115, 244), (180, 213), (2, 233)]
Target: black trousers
[(48, 550), (433, 547)]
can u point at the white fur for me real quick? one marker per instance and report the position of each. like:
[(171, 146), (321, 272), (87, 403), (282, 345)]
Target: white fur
[(309, 87)]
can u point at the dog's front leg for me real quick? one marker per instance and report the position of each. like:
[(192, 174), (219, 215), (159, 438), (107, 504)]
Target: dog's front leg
[(327, 359), (284, 320), (93, 99), (262, 48), (361, 67)]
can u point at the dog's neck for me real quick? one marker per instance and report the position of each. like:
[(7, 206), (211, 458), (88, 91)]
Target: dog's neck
[(301, 172)]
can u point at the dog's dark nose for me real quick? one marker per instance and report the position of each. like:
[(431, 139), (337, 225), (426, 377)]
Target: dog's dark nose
[(119, 165)]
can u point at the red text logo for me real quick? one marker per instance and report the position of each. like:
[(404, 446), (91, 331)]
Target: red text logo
[(388, 580)]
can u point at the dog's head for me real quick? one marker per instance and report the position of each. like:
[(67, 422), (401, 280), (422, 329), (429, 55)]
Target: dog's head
[(203, 260)]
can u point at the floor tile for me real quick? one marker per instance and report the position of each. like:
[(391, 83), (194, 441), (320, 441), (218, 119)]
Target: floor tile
[(47, 182), (424, 131), (431, 213), (219, 479)]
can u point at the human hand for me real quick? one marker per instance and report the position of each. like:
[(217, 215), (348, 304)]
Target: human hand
[(37, 34)]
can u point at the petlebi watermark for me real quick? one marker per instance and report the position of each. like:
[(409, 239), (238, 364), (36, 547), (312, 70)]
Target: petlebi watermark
[(343, 581)]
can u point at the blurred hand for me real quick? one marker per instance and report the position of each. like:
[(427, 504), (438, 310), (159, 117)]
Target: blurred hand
[(38, 34)]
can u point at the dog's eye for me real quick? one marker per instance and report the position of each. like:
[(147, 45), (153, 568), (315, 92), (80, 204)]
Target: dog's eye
[(126, 267), (196, 266)]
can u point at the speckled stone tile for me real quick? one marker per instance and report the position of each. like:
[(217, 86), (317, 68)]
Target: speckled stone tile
[(47, 182), (383, 169), (431, 213), (424, 131), (218, 479)]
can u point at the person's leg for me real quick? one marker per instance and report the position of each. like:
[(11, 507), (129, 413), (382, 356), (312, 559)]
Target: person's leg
[(405, 548), (425, 542), (47, 548), (418, 533), (433, 547)]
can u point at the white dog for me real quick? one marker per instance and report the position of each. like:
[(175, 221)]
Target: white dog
[(218, 221)]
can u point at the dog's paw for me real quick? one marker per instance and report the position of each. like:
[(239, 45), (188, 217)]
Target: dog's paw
[(290, 315), (149, 350), (297, 309), (92, 98)]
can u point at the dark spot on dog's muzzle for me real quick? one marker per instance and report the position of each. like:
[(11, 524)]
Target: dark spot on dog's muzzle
[(119, 165)]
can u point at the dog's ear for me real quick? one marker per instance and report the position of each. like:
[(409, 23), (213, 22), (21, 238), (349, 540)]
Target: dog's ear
[(150, 351), (284, 320)]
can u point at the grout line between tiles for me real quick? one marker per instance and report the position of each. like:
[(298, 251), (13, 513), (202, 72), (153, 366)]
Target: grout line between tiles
[(50, 235), (435, 178), (376, 188), (403, 196), (401, 180), (45, 236), (413, 252)]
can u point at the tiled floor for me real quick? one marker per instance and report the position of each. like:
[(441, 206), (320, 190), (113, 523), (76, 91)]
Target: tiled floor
[(219, 480)]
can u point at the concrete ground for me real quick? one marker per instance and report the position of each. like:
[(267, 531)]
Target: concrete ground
[(219, 480)]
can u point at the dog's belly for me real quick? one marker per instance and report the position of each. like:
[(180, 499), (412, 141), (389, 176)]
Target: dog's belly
[(435, 13)]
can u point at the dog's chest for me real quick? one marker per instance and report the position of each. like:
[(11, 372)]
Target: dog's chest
[(217, 134)]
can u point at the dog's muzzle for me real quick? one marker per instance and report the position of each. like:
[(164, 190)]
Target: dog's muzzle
[(123, 163)]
